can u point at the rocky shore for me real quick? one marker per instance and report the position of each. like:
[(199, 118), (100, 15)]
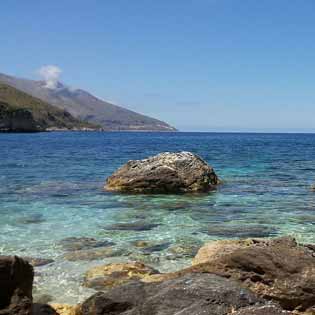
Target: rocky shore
[(247, 276), (239, 277)]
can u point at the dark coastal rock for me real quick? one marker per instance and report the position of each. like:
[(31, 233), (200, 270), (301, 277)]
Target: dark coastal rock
[(42, 298), (94, 254), (277, 269), (164, 173), (188, 295), (79, 243), (132, 226), (111, 275), (37, 262), (43, 309), (16, 280)]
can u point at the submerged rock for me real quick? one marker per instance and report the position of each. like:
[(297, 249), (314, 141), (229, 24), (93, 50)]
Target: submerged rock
[(181, 250), (192, 294), (79, 243), (152, 258), (37, 262), (94, 254), (132, 226), (141, 243), (32, 219), (111, 275), (16, 280), (164, 173), (155, 248), (241, 231)]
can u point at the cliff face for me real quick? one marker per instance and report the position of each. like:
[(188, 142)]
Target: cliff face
[(16, 120), (21, 112), (87, 107)]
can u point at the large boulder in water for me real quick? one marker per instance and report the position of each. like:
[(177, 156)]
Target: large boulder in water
[(164, 173), (16, 280)]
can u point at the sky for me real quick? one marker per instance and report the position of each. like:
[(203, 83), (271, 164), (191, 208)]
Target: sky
[(201, 65)]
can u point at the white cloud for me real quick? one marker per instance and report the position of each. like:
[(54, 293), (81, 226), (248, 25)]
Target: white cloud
[(50, 75)]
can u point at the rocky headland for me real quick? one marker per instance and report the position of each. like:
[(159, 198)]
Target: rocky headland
[(21, 112), (228, 277)]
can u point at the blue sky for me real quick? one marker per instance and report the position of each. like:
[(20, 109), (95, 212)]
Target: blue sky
[(229, 65)]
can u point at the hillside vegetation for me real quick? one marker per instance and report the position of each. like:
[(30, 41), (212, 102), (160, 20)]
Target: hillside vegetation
[(20, 111)]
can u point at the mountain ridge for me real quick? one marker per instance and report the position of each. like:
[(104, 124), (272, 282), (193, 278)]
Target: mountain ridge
[(85, 106)]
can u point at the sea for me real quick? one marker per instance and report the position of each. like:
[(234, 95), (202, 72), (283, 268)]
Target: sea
[(52, 200)]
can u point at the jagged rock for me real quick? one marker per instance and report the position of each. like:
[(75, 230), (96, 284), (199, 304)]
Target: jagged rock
[(277, 269), (164, 173), (111, 275), (16, 280), (191, 294)]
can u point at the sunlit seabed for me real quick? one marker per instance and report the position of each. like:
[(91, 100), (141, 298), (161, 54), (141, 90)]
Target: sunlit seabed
[(51, 189)]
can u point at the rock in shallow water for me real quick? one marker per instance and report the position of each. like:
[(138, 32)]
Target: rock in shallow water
[(164, 173), (192, 294)]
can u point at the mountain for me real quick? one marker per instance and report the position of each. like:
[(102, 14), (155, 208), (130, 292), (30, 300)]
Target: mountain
[(20, 111), (87, 107)]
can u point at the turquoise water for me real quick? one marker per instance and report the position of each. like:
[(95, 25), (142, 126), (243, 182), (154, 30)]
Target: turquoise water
[(51, 189)]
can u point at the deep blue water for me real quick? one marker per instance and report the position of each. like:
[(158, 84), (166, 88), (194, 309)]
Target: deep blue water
[(51, 188)]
